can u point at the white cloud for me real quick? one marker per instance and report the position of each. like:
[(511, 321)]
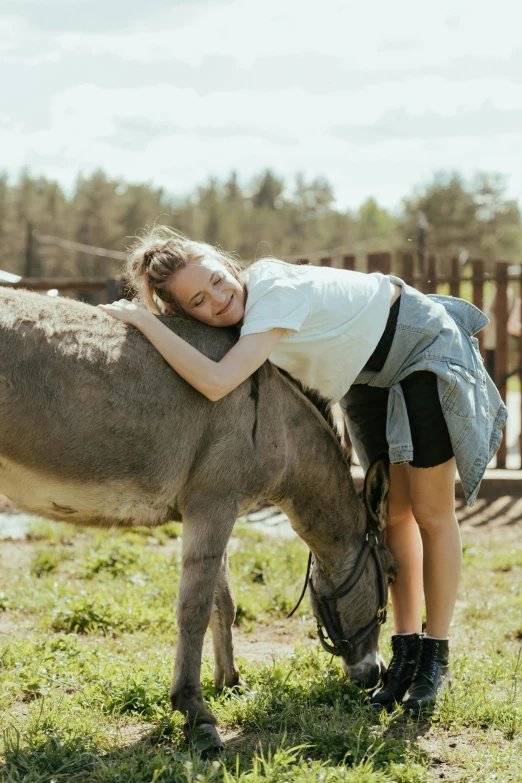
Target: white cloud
[(247, 29), (91, 111), (397, 78)]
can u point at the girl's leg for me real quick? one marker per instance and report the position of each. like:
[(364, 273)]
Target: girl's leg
[(366, 410), (432, 493), (404, 542)]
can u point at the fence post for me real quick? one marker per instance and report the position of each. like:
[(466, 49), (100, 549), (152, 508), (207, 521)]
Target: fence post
[(386, 260), (455, 277), (477, 267), (113, 290), (430, 283), (408, 263), (520, 365), (379, 262), (31, 255), (349, 262), (501, 313)]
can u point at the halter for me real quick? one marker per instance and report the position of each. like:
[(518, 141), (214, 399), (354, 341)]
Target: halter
[(340, 645)]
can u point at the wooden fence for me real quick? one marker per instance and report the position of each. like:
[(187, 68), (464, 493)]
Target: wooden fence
[(473, 276)]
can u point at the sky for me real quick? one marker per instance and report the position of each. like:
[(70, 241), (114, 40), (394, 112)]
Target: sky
[(375, 97)]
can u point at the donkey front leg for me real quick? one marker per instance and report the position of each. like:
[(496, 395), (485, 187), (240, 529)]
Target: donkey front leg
[(226, 673), (204, 544)]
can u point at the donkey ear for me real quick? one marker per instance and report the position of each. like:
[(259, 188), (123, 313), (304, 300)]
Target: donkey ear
[(376, 486)]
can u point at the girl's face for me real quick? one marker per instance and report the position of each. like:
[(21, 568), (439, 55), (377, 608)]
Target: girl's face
[(208, 291)]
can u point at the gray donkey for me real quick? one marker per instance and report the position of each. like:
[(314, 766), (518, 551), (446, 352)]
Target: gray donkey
[(97, 429)]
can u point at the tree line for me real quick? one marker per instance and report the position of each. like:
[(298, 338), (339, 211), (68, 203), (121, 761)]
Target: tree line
[(470, 219)]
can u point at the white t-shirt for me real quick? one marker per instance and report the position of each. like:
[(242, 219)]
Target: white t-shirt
[(334, 319)]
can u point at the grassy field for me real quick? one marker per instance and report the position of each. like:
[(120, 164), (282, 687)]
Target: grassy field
[(87, 633)]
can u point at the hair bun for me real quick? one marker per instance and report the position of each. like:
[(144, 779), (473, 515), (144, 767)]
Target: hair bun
[(148, 256)]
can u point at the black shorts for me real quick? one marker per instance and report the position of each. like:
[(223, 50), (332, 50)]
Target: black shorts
[(366, 408)]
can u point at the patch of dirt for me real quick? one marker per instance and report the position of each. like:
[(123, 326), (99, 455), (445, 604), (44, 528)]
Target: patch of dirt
[(499, 519), (15, 555), (265, 643), (13, 624), (8, 627), (449, 754), (17, 709), (269, 642), (131, 733), (239, 741)]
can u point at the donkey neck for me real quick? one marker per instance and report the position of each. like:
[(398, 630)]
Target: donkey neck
[(318, 493)]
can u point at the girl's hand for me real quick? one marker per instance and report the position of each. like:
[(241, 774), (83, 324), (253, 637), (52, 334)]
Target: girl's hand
[(128, 312)]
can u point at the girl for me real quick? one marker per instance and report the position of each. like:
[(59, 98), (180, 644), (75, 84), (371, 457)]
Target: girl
[(407, 372)]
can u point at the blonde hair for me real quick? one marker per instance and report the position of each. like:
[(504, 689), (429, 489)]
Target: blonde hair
[(156, 254)]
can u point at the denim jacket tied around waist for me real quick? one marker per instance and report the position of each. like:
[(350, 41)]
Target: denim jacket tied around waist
[(436, 333)]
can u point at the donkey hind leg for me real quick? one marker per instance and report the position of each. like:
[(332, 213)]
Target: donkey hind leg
[(205, 537), (226, 673)]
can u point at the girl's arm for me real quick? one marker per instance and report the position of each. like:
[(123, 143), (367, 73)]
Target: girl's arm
[(213, 379)]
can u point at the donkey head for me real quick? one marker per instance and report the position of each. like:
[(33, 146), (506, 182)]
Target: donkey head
[(350, 612)]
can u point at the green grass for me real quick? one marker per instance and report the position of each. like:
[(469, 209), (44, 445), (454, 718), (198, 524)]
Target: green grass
[(87, 646)]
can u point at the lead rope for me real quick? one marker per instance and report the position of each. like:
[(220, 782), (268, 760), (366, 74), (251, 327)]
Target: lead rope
[(307, 578)]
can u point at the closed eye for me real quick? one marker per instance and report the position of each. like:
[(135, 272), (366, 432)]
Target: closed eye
[(199, 302)]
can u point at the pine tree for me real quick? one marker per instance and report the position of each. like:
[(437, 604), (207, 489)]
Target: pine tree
[(97, 207)]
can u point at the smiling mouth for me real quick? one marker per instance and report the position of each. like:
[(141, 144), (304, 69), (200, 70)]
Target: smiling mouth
[(227, 306)]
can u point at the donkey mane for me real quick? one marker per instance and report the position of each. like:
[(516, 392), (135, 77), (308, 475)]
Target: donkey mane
[(324, 406)]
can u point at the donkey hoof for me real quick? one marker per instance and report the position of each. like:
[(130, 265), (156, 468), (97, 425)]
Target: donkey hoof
[(204, 738)]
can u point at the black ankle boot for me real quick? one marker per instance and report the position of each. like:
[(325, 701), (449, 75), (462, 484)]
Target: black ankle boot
[(400, 671), (431, 674)]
